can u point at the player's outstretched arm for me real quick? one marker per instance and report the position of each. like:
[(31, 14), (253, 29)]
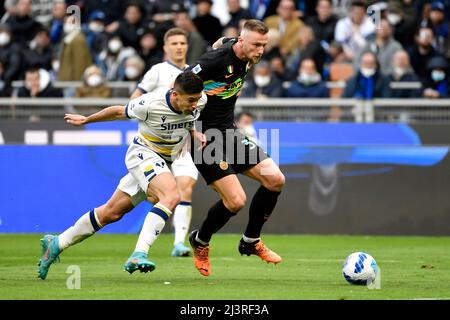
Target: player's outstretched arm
[(107, 114)]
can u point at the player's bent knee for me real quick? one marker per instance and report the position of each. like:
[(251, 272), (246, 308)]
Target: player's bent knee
[(185, 193), (276, 182), (236, 203), (171, 200)]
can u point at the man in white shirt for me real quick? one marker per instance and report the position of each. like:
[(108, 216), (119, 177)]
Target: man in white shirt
[(353, 30), (166, 121)]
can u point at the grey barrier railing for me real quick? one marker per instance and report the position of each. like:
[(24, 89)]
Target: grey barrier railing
[(271, 109)]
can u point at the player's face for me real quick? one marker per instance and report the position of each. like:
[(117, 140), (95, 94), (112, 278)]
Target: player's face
[(187, 103), (176, 47), (253, 44)]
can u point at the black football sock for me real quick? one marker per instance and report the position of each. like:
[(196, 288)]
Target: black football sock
[(217, 217), (261, 208)]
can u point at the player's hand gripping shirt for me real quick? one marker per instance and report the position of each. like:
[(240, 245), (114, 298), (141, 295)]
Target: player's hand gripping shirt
[(223, 76), (161, 128)]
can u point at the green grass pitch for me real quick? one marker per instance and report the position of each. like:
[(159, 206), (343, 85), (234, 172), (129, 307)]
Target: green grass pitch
[(411, 268)]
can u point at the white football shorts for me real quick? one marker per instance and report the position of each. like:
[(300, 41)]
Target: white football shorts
[(143, 165)]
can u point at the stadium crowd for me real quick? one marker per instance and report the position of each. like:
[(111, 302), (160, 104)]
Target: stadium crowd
[(367, 44)]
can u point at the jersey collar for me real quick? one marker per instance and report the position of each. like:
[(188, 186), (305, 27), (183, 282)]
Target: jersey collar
[(175, 66), (169, 92)]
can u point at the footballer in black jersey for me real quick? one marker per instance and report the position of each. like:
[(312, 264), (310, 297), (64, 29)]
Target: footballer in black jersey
[(223, 72)]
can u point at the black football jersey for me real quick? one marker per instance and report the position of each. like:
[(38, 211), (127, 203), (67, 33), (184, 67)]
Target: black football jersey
[(223, 75)]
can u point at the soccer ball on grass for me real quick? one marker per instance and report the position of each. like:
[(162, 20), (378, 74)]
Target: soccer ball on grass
[(360, 268)]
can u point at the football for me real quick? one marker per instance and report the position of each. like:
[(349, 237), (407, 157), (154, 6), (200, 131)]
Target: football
[(360, 268)]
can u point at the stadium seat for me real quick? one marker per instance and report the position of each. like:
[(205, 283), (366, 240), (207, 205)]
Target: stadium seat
[(339, 72)]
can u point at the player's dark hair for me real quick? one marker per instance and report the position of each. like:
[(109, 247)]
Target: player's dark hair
[(188, 82), (256, 25), (358, 3), (174, 32)]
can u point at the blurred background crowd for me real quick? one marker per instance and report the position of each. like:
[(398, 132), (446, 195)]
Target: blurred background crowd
[(366, 44)]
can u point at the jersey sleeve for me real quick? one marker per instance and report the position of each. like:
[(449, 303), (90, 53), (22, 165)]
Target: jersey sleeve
[(202, 101), (206, 65), (150, 80), (137, 108)]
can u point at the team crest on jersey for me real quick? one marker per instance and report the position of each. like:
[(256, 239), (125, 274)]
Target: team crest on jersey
[(197, 69), (230, 69)]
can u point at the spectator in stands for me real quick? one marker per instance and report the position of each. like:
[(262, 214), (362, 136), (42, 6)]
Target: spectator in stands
[(308, 47), (352, 31), (75, 56), (308, 83), (422, 52), (42, 11), (208, 25), (403, 72), (23, 26), (111, 60), (134, 68), (237, 14), (368, 83), (131, 28), (230, 32), (93, 84), (244, 123), (38, 85), (272, 48), (384, 46), (39, 54), (402, 18), (149, 50), (263, 84), (57, 22), (196, 43), (278, 67), (262, 9), (113, 10), (336, 53), (96, 36), (5, 86), (438, 22), (437, 84), (287, 24), (9, 54), (162, 14), (324, 23)]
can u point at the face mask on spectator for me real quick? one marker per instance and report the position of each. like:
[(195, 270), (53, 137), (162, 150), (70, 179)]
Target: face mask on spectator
[(55, 65), (368, 72), (262, 81), (96, 27), (4, 39), (249, 131), (115, 45), (69, 27), (94, 80), (131, 72), (399, 71), (308, 79), (394, 18), (437, 75)]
